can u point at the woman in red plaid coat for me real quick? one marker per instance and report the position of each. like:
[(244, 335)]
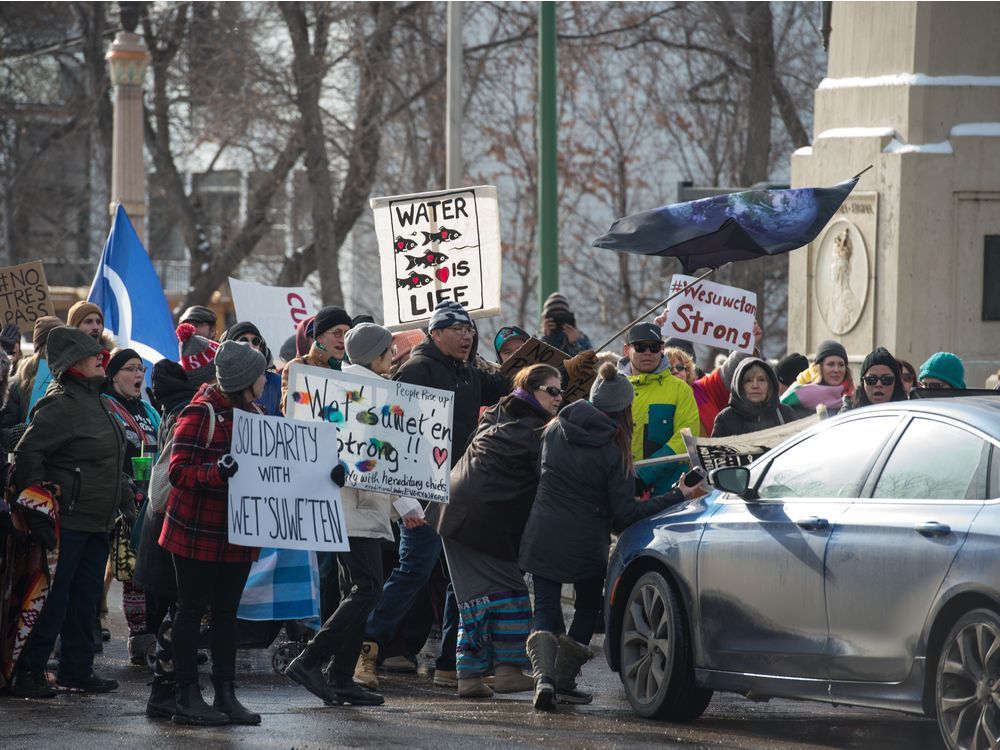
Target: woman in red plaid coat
[(211, 572)]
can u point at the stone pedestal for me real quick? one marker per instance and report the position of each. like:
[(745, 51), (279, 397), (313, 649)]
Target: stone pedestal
[(127, 60), (913, 89)]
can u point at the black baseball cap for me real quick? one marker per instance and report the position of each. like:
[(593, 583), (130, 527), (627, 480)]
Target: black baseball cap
[(643, 332)]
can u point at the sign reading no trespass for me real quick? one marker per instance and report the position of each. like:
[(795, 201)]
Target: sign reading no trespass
[(24, 295)]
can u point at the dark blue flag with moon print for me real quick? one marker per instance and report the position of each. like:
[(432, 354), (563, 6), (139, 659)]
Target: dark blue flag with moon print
[(710, 232)]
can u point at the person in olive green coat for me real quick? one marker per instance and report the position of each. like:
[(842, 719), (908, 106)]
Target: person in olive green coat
[(76, 444)]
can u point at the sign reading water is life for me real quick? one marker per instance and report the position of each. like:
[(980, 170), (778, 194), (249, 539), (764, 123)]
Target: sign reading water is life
[(282, 495)]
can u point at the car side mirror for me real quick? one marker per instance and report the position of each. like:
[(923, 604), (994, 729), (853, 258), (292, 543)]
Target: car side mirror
[(734, 479)]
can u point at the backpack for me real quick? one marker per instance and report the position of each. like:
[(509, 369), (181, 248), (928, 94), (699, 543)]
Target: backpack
[(159, 478)]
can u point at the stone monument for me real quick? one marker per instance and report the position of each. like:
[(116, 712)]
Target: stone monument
[(911, 261)]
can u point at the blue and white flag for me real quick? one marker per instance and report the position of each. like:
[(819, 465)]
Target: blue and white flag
[(128, 291)]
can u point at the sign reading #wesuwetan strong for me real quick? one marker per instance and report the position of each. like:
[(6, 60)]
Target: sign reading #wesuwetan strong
[(438, 246), (282, 495), (710, 313), (392, 437)]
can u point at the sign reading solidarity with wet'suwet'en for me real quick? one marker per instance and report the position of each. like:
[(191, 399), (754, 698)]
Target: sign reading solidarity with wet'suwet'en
[(24, 295), (710, 313), (393, 437), (282, 494), (438, 246)]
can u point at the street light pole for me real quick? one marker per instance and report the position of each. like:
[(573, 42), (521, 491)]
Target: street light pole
[(128, 59), (453, 107), (548, 208)]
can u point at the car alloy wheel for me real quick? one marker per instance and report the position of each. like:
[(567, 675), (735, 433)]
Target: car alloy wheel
[(967, 693), (655, 664)]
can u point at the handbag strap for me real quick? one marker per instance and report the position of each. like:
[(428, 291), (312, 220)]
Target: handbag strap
[(211, 422)]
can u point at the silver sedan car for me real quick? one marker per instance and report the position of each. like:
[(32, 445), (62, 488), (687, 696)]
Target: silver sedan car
[(856, 563)]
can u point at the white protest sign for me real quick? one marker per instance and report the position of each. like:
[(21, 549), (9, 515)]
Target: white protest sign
[(393, 437), (282, 495), (710, 313), (438, 246), (275, 310)]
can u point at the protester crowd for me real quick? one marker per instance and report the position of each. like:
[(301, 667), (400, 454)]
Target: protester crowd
[(527, 468)]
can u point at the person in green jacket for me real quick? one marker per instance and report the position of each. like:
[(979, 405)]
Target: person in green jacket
[(76, 445), (663, 406)]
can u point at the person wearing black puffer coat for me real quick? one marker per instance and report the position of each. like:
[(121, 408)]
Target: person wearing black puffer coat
[(753, 401), (586, 490)]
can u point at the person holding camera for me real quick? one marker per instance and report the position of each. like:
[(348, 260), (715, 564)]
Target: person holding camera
[(586, 489), (559, 327)]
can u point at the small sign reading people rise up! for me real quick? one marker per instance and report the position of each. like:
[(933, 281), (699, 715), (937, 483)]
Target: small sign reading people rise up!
[(710, 313), (393, 437), (438, 246), (24, 295), (282, 495)]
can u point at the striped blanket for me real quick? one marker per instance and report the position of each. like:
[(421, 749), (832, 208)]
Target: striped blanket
[(283, 585)]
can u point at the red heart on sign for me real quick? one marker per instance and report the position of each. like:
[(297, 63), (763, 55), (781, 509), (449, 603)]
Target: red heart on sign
[(442, 274), (440, 456)]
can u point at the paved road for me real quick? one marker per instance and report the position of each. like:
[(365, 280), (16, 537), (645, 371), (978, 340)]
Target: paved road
[(416, 714)]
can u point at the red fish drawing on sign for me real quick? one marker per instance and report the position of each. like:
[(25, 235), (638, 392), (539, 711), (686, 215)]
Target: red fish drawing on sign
[(402, 244), (428, 259), (413, 281)]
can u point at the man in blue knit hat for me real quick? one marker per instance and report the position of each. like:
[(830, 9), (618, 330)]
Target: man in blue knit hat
[(443, 361)]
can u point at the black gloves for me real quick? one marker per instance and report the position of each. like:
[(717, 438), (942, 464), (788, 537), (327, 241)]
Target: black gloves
[(41, 528), (227, 466), (338, 475)]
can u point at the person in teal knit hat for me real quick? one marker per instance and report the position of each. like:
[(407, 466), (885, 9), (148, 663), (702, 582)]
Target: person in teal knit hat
[(942, 370)]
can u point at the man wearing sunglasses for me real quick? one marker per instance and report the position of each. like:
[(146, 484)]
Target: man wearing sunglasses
[(663, 406)]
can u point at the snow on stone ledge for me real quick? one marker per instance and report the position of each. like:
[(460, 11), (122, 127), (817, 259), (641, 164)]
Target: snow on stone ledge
[(895, 147), (908, 79), (803, 151), (857, 133), (987, 129)]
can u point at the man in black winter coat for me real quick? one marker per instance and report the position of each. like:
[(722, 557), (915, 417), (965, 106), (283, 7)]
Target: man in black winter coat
[(440, 361)]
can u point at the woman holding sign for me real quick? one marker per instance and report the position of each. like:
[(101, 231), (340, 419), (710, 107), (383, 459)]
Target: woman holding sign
[(210, 571), (492, 488)]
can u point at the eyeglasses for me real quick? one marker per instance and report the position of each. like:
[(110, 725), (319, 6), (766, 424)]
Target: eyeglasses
[(552, 390), (461, 330), (652, 346), (679, 367), (134, 369), (932, 385), (884, 379), (252, 340)]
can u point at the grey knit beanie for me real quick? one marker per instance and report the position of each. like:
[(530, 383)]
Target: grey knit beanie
[(67, 346), (611, 390), (366, 342), (237, 366)]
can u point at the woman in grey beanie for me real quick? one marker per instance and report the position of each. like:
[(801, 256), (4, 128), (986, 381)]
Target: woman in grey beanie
[(210, 571), (586, 490)]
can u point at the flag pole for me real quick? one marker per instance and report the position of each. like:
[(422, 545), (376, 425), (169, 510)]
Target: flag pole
[(654, 308)]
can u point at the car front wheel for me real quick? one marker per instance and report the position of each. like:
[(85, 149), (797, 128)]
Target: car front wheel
[(967, 685), (656, 665)]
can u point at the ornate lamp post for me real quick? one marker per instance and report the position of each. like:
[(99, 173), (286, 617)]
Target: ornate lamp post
[(128, 59)]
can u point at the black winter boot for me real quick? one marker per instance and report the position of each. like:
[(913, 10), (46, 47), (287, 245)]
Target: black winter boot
[(162, 703), (542, 647), (192, 709), (32, 683), (225, 701)]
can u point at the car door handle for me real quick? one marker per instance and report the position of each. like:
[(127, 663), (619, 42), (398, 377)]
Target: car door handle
[(813, 523), (932, 528)]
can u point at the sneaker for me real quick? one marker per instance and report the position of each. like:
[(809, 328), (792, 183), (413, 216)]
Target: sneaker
[(447, 678), (400, 664), (89, 684), (33, 683), (364, 671)]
